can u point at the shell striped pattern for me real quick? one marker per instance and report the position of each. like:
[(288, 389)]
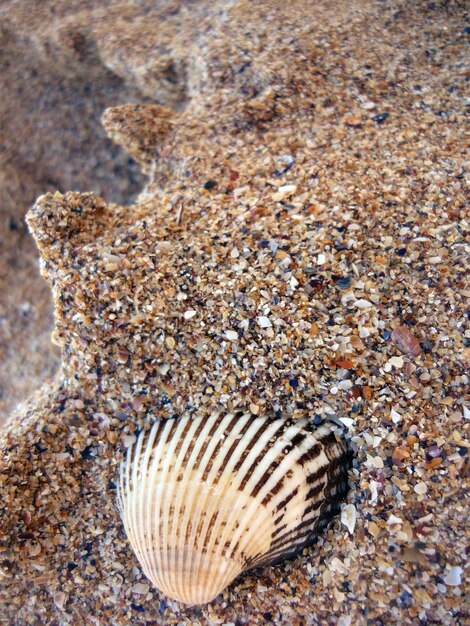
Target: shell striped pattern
[(203, 499)]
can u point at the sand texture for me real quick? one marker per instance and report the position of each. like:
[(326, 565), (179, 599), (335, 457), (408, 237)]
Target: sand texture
[(300, 247)]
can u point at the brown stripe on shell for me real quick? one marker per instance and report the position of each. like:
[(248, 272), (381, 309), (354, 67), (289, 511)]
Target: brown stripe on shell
[(298, 438), (250, 470), (310, 455)]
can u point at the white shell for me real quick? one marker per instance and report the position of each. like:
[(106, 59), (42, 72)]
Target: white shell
[(203, 499)]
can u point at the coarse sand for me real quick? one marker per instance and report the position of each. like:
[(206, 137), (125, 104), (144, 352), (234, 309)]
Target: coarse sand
[(300, 248)]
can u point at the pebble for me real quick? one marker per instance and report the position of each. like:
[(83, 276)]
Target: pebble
[(349, 516), (264, 322), (394, 362), (380, 117), (344, 283), (288, 159), (453, 577), (60, 599), (378, 462), (347, 421), (362, 304), (433, 452), (141, 588), (210, 184), (284, 192), (405, 341), (129, 440), (420, 488)]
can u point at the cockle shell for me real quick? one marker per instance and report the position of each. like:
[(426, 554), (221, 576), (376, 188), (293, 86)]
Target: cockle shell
[(203, 499)]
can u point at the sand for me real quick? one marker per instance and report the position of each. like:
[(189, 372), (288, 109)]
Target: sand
[(300, 247)]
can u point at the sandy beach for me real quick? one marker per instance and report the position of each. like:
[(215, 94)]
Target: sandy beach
[(271, 216)]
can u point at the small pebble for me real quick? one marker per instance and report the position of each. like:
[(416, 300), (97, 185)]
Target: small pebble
[(397, 361), (129, 440), (453, 578), (60, 599), (377, 462), (210, 184), (349, 516), (380, 117), (141, 588), (373, 529), (347, 421), (420, 488), (362, 304), (284, 192), (344, 283), (405, 341)]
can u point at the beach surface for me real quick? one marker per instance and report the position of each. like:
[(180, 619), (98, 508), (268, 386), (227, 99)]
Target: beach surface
[(271, 217)]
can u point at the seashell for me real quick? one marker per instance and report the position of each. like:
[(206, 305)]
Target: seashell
[(203, 499)]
